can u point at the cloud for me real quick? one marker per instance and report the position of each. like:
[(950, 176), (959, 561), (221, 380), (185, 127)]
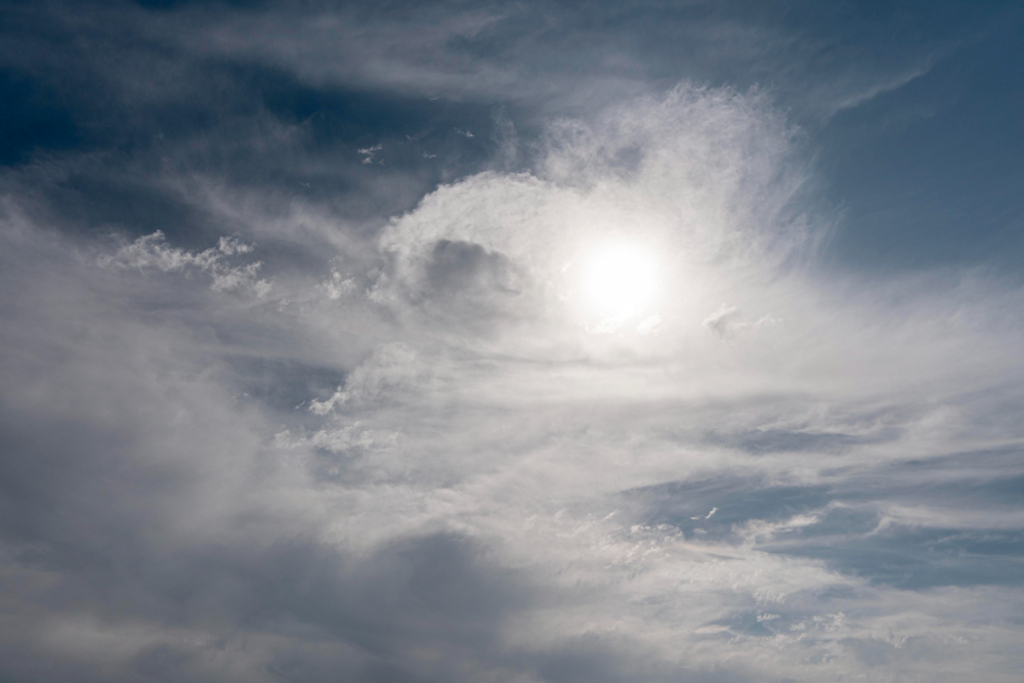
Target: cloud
[(151, 251), (518, 237), (337, 286), (452, 478), (495, 53), (512, 419), (718, 322), (392, 366), (369, 153)]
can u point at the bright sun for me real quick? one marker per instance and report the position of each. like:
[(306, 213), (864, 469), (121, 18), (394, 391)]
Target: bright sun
[(619, 280)]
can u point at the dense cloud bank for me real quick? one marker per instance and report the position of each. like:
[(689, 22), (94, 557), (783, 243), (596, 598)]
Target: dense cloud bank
[(258, 432)]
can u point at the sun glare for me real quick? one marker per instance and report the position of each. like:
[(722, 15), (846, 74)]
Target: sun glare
[(619, 281)]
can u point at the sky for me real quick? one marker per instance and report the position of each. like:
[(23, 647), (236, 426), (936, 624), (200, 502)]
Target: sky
[(530, 342)]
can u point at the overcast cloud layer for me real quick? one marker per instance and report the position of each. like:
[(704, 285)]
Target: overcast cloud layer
[(300, 384)]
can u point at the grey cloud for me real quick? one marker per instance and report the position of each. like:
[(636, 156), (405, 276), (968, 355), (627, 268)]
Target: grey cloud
[(464, 283), (775, 441)]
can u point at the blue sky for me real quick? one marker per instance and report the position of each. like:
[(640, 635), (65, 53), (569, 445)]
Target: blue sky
[(539, 342)]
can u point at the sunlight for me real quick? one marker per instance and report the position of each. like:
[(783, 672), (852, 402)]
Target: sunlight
[(618, 281)]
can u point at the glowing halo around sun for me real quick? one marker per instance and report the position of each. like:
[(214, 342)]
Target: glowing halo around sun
[(619, 281)]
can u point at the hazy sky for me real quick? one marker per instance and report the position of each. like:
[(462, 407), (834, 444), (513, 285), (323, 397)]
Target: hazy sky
[(533, 342)]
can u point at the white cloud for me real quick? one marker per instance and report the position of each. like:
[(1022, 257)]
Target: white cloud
[(152, 251), (370, 153), (337, 286)]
